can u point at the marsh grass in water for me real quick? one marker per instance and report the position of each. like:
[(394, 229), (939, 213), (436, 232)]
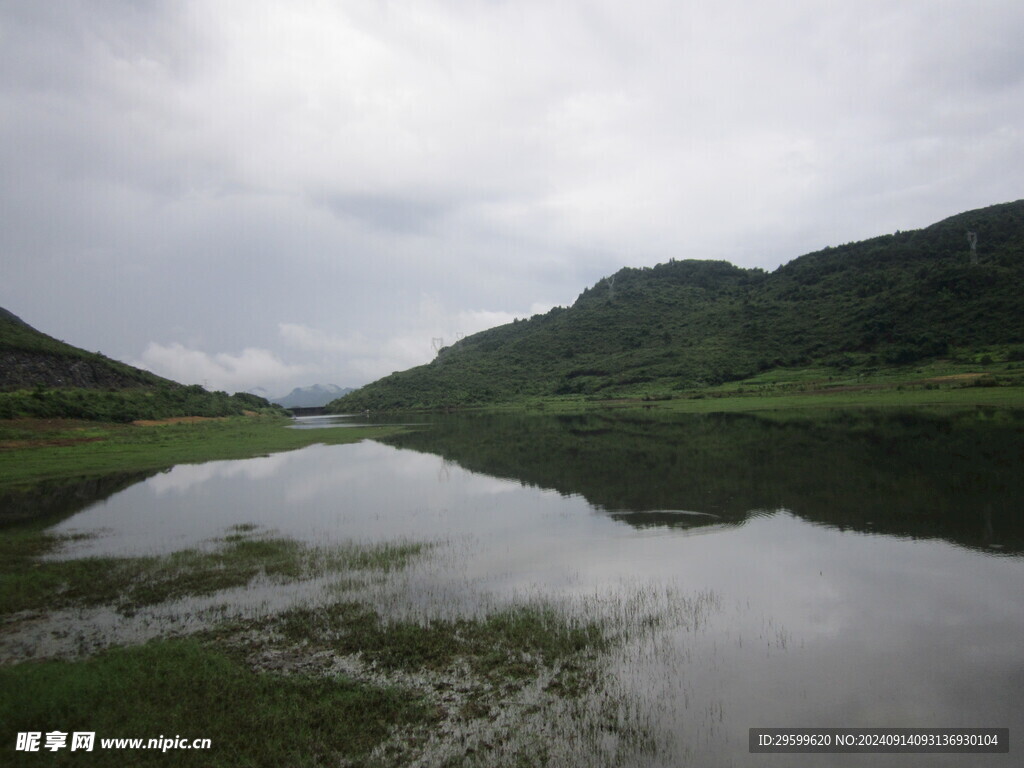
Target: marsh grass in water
[(513, 686), (346, 682), (513, 643), (31, 581), (253, 717), (336, 683)]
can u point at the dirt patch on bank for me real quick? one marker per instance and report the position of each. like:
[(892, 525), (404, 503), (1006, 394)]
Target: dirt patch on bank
[(175, 420), (10, 445), (32, 424), (31, 433), (956, 377)]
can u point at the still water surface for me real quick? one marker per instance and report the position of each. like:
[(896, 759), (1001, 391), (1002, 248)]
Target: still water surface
[(853, 570)]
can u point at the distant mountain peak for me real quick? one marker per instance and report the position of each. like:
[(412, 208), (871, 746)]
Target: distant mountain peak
[(312, 396)]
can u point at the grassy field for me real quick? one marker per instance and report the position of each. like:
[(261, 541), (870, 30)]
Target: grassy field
[(817, 388), (32, 450), (724, 400), (40, 450)]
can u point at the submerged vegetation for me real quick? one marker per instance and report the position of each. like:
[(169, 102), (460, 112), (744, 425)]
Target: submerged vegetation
[(251, 717), (27, 580), (854, 312), (332, 681), (514, 643)]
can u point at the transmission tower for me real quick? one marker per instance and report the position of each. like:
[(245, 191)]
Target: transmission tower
[(437, 342), (972, 239)]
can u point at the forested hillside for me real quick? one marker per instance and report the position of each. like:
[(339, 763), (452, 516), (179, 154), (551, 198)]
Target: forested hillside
[(41, 376), (888, 301)]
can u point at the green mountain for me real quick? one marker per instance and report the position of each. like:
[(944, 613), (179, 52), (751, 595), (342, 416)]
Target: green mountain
[(41, 376), (887, 301)]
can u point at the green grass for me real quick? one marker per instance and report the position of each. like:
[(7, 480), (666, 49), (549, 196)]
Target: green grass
[(510, 644), (885, 398), (216, 685), (190, 689), (953, 382), (33, 450), (731, 399), (29, 582)]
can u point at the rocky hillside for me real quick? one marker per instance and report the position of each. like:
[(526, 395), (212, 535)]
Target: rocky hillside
[(41, 376), (30, 359)]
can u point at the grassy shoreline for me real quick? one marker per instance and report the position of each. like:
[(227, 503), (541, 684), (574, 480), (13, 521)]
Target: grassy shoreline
[(34, 450), (713, 401), (779, 398), (956, 383)]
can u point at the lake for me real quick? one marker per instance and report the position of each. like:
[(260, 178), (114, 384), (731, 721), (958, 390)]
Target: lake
[(845, 569)]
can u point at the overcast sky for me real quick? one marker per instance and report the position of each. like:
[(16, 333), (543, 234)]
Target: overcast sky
[(242, 193)]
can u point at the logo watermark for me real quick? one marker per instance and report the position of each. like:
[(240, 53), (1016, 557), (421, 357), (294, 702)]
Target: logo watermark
[(85, 741)]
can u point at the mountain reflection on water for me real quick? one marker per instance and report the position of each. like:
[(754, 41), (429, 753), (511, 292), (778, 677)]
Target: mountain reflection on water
[(918, 474), (51, 501)]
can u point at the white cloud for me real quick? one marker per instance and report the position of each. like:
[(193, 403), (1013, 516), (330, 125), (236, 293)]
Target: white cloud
[(363, 357), (221, 371), (184, 477), (359, 356)]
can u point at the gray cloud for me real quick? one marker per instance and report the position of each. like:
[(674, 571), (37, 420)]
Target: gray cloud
[(388, 213), (183, 179)]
